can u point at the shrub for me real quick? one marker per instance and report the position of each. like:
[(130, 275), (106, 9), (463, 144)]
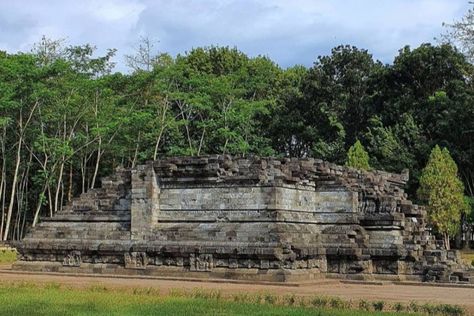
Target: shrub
[(206, 294), (177, 293), (241, 297), (414, 307), (451, 310), (364, 305), (378, 306), (398, 307), (336, 302), (289, 300), (269, 298), (357, 157), (320, 301)]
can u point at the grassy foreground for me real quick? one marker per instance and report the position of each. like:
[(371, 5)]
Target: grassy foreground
[(53, 299)]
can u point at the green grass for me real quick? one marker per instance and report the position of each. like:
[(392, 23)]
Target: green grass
[(53, 299), (7, 256)]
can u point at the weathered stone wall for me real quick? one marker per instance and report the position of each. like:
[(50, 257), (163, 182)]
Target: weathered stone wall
[(248, 218)]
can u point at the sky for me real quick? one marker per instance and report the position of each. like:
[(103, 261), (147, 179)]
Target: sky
[(288, 31)]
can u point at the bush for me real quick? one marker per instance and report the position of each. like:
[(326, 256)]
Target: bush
[(451, 310), (336, 302), (206, 294), (319, 301), (177, 293), (241, 297), (398, 307), (428, 308), (414, 307), (289, 300), (378, 306), (364, 305), (269, 298)]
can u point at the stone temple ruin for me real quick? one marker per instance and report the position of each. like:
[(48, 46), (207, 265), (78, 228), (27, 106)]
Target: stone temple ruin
[(260, 219)]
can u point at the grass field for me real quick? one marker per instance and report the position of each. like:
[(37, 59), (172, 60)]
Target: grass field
[(53, 299)]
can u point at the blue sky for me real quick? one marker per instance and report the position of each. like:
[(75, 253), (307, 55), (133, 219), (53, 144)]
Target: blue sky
[(289, 32)]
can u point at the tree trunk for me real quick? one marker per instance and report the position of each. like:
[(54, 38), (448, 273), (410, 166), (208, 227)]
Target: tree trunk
[(50, 201), (69, 191), (39, 204), (22, 231), (157, 144), (201, 141), (446, 242), (135, 155), (58, 187), (96, 169), (12, 195), (162, 128), (61, 201), (3, 208), (22, 194)]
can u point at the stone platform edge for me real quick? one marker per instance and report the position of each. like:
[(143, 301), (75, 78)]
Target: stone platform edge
[(323, 280)]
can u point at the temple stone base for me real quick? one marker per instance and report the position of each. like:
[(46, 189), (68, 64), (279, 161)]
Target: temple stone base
[(257, 219), (242, 274)]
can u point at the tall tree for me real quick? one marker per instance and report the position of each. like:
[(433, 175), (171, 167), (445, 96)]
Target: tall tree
[(443, 192)]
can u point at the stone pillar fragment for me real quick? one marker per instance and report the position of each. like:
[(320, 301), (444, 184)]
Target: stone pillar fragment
[(145, 201)]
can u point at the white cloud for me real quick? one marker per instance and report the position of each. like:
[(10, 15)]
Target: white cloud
[(288, 31)]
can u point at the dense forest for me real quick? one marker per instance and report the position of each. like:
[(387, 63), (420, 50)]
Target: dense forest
[(66, 119)]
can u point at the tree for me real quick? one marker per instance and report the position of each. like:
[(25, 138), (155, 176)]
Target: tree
[(461, 34), (328, 110), (48, 50), (338, 88), (287, 130), (144, 57), (357, 157), (443, 192)]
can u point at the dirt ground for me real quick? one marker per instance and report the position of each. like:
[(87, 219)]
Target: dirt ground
[(387, 292)]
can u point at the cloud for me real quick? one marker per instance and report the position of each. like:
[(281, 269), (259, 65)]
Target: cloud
[(290, 32)]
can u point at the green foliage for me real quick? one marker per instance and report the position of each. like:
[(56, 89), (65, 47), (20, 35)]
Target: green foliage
[(443, 192), (378, 306), (86, 120), (398, 307), (469, 212), (357, 157)]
